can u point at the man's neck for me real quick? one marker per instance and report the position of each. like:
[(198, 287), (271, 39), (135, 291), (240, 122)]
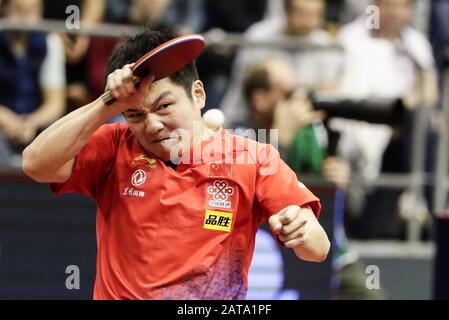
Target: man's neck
[(386, 34)]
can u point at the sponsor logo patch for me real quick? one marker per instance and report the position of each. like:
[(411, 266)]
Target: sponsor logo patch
[(131, 192), (217, 220), (139, 178), (144, 161), (220, 192)]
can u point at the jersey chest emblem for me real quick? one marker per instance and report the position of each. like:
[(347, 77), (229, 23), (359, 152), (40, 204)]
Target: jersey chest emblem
[(220, 192)]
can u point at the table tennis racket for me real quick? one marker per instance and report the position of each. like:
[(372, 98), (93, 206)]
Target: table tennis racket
[(165, 60)]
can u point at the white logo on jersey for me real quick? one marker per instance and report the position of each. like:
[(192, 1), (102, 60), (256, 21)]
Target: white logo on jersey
[(139, 177), (220, 191)]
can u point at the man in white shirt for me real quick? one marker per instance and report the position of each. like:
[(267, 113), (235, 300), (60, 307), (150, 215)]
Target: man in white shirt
[(318, 69), (394, 61)]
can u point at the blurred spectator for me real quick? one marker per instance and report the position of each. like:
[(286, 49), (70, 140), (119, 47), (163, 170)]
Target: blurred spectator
[(356, 8), (235, 16), (394, 61), (318, 70), (186, 16), (149, 13), (275, 102), (116, 11), (32, 79), (182, 16), (439, 30), (75, 46), (136, 12), (333, 11)]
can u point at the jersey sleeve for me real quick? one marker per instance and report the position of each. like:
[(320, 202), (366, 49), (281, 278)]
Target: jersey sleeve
[(277, 186), (92, 165)]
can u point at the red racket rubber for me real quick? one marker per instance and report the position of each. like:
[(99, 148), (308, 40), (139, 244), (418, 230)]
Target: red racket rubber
[(165, 60)]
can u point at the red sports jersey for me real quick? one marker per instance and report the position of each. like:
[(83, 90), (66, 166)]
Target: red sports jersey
[(184, 233)]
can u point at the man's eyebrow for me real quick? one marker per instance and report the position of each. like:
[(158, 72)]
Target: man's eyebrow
[(162, 96)]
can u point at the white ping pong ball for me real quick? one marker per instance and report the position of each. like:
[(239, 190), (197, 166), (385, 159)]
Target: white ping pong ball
[(214, 118)]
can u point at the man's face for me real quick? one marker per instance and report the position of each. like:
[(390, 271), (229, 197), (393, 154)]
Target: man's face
[(164, 108), (305, 16), (149, 11), (24, 10), (283, 81), (394, 14)]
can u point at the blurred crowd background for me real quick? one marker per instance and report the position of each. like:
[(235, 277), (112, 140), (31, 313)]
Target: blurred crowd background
[(352, 102)]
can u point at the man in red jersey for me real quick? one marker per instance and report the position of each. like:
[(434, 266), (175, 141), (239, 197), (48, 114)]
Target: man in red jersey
[(170, 224)]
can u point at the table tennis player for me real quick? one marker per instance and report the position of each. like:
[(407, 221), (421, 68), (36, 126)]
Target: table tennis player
[(170, 224)]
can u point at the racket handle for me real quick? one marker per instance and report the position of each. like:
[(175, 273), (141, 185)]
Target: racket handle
[(109, 99)]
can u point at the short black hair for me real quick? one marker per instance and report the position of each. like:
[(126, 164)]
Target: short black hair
[(257, 78), (135, 47)]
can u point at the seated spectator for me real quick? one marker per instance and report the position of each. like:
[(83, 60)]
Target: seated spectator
[(275, 102), (32, 79), (319, 70), (75, 46)]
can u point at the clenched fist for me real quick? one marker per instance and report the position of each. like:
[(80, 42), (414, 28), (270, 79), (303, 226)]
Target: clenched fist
[(299, 229)]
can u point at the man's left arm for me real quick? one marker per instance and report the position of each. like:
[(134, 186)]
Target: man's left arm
[(299, 229), (290, 208)]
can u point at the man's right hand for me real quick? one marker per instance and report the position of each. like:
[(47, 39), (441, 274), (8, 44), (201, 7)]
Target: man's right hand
[(122, 87)]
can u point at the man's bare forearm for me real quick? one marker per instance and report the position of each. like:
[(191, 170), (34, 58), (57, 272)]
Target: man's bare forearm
[(317, 245), (48, 157), (52, 108)]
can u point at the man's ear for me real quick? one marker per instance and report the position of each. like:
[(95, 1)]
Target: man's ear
[(259, 101), (198, 94)]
